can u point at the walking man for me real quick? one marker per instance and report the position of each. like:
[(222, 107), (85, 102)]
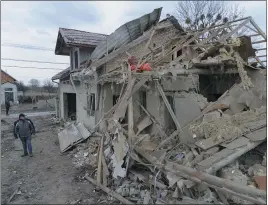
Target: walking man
[(24, 130), (7, 104)]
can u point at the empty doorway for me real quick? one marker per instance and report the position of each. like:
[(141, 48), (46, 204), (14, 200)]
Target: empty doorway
[(69, 106)]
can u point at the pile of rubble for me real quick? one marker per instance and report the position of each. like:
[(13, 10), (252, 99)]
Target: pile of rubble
[(198, 163), (194, 153)]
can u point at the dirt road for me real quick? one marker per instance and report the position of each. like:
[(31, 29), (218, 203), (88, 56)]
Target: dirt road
[(48, 177)]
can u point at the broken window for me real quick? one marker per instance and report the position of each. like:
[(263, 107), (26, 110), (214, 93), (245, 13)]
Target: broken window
[(171, 102), (91, 104), (168, 118), (143, 100)]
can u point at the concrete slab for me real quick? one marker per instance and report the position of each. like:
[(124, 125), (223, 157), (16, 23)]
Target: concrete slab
[(258, 135), (186, 109), (69, 137)]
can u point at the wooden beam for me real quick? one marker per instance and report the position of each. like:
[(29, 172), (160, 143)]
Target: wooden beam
[(261, 49), (99, 172), (234, 31), (259, 61), (253, 35), (262, 56), (168, 105), (224, 185), (109, 191), (232, 157), (257, 42), (258, 28)]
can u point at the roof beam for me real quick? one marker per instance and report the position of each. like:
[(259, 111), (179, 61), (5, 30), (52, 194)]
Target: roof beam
[(257, 42), (235, 30), (258, 28)]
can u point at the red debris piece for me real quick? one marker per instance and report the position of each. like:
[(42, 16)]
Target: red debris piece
[(146, 67), (261, 181)]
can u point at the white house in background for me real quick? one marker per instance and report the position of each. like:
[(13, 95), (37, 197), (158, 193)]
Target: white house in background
[(9, 88)]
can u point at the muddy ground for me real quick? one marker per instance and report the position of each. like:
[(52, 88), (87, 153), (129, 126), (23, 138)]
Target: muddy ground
[(49, 176)]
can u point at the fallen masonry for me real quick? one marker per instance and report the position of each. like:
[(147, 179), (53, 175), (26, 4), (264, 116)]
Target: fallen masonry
[(205, 110)]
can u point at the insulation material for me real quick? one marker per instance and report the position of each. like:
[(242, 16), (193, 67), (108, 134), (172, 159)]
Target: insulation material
[(228, 127), (120, 147)]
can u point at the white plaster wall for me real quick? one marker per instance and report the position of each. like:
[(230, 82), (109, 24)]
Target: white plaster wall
[(15, 92), (81, 102)]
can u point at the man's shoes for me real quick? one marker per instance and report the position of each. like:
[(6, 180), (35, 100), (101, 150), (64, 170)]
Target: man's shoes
[(24, 155), (31, 154)]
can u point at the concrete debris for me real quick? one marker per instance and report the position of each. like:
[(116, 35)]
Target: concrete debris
[(257, 170), (234, 174), (177, 131)]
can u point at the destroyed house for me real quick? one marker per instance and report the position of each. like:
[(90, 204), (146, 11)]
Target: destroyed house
[(172, 108)]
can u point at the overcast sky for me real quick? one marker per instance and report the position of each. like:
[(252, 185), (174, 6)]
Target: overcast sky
[(36, 24)]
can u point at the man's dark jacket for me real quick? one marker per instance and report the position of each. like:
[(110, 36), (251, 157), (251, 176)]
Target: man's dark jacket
[(15, 123)]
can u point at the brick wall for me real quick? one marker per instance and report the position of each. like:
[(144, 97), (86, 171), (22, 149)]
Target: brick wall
[(6, 78)]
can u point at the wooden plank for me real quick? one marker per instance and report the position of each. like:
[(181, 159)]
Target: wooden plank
[(157, 124), (258, 28), (214, 158), (105, 171), (239, 142), (209, 142), (257, 42), (234, 31), (168, 106), (99, 172), (109, 191), (231, 157), (257, 135), (225, 185)]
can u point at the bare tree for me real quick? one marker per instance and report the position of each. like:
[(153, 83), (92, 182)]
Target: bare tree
[(48, 86), (21, 86), (34, 83), (195, 15)]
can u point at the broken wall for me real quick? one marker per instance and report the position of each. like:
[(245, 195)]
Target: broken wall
[(81, 102)]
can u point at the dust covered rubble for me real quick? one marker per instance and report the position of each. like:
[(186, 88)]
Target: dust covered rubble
[(134, 168)]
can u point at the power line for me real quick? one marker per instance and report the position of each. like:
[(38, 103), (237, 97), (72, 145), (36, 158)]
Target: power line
[(26, 47), (11, 59), (31, 67)]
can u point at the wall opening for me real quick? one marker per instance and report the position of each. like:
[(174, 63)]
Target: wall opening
[(115, 99), (143, 100), (169, 120), (91, 104), (213, 86), (69, 105)]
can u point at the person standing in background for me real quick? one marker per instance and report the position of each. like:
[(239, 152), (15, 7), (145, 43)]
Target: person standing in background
[(7, 104)]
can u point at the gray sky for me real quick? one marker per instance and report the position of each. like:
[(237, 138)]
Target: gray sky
[(36, 23)]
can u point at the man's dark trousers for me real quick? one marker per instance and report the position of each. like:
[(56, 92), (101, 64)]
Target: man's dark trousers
[(7, 110), (26, 143)]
